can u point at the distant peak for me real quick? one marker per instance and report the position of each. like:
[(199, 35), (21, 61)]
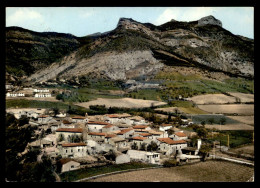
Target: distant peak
[(209, 20)]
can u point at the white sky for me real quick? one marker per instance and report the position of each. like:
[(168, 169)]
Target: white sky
[(82, 21)]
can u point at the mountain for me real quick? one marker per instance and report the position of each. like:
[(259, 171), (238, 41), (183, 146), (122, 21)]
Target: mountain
[(133, 50)]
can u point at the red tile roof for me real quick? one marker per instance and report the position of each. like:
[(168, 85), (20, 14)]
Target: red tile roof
[(73, 144), (145, 134), (74, 130), (66, 122), (78, 117), (140, 126), (170, 141), (139, 138), (97, 133), (108, 126), (110, 136), (180, 134), (98, 122), (43, 116), (112, 116), (124, 131)]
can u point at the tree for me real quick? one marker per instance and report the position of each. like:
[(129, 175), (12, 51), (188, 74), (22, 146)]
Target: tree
[(23, 120), (203, 123), (152, 146), (202, 132), (61, 138), (211, 120), (134, 146), (170, 131), (222, 121), (143, 146), (204, 151)]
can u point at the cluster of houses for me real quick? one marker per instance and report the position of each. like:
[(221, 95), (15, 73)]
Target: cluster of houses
[(82, 136), (27, 92)]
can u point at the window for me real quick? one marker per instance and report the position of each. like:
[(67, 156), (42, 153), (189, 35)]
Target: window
[(78, 150), (72, 166), (66, 151)]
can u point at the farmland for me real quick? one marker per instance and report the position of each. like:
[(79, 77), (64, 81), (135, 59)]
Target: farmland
[(199, 172), (241, 109), (213, 99), (122, 103)]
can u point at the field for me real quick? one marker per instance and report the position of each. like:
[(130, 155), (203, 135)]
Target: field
[(249, 149), (243, 119), (187, 110), (213, 99), (209, 171), (243, 97), (241, 109), (238, 126), (123, 103)]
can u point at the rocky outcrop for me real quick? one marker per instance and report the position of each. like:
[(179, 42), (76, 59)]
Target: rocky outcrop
[(209, 20)]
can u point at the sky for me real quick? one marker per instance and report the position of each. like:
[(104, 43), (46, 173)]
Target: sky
[(82, 21)]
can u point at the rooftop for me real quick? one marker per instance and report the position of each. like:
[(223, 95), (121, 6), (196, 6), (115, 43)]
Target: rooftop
[(73, 144), (180, 134), (140, 126), (170, 141), (139, 138), (74, 130), (97, 133), (124, 131), (98, 122)]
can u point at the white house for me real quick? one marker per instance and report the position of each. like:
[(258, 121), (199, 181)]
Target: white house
[(61, 115), (41, 90), (118, 142), (96, 136), (169, 146), (141, 128), (73, 150), (165, 127), (96, 126), (69, 165), (124, 158), (118, 118), (126, 133), (157, 134), (15, 94), (109, 128), (68, 132), (149, 157), (179, 136), (45, 119), (79, 119), (42, 95)]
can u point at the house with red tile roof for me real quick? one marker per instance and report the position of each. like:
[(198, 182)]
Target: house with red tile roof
[(179, 136), (79, 119), (96, 136), (168, 146), (141, 128), (72, 150), (109, 128), (96, 126), (67, 133), (165, 127), (68, 165), (126, 133)]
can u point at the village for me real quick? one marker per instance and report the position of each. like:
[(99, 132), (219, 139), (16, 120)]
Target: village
[(86, 140)]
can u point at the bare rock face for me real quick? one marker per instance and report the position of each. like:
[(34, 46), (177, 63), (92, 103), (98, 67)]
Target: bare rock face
[(209, 20)]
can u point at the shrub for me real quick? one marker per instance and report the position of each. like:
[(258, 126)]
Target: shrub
[(170, 163)]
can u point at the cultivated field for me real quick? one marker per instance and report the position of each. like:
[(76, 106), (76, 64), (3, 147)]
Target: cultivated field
[(238, 126), (240, 109), (243, 97), (123, 102), (244, 149), (209, 171), (213, 99), (244, 119), (52, 99)]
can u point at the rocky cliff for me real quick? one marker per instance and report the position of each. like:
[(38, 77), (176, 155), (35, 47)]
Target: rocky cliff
[(135, 49)]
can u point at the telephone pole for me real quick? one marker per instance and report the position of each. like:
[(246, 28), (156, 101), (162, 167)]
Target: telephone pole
[(228, 141)]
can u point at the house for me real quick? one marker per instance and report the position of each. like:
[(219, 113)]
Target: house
[(192, 150), (137, 120), (73, 150), (42, 95), (118, 142), (169, 146), (179, 136), (67, 133), (165, 127), (61, 115), (126, 133), (15, 94), (96, 126), (41, 90), (41, 143), (79, 119), (138, 141), (143, 156), (141, 128), (43, 119), (109, 128), (108, 137), (118, 118), (96, 136), (124, 158), (69, 165), (157, 134)]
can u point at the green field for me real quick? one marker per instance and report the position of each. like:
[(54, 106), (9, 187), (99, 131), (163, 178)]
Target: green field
[(88, 172)]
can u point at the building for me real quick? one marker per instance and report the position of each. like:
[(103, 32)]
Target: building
[(143, 156), (69, 165), (43, 90), (126, 133), (157, 134), (141, 128), (15, 94), (96, 126), (79, 119), (179, 136), (165, 127), (118, 142), (43, 119), (138, 141), (97, 136), (118, 118), (73, 150), (169, 146), (42, 95), (67, 133), (109, 128)]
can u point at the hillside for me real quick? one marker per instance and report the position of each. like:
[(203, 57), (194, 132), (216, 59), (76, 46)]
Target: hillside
[(133, 50)]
